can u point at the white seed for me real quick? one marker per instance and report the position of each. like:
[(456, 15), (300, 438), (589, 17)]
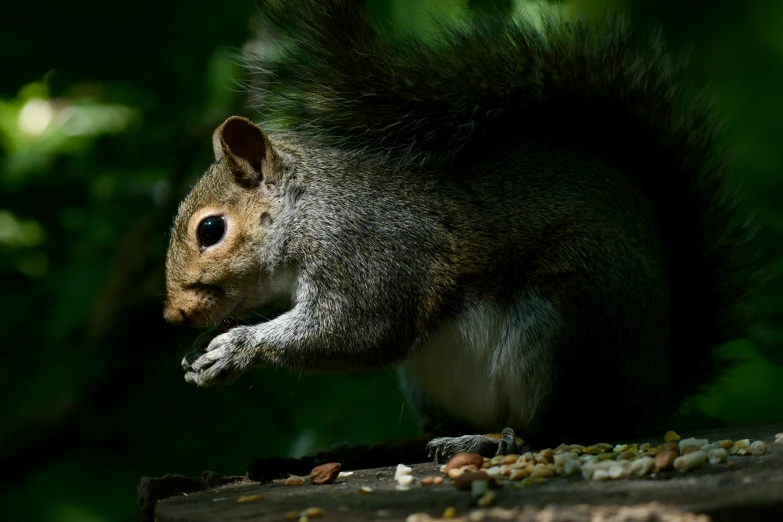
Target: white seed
[(402, 470), (707, 447), (479, 487), (690, 461), (400, 487), (740, 444), (616, 471), (418, 517), (572, 467), (717, 455), (494, 471), (742, 452), (405, 480), (344, 474), (758, 447), (601, 474), (692, 443), (365, 490), (779, 438), (642, 466)]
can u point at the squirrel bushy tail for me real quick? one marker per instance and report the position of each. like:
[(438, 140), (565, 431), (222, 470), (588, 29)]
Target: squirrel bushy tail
[(346, 85)]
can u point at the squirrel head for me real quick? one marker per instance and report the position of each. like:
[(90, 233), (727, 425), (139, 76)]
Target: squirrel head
[(213, 267)]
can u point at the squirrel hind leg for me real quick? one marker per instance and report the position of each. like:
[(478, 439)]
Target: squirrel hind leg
[(489, 445)]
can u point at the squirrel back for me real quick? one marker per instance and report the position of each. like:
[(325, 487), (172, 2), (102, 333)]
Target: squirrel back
[(343, 84)]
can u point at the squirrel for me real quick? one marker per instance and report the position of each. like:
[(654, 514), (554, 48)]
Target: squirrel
[(530, 221)]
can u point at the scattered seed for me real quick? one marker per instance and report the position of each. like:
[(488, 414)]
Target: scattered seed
[(494, 471), (744, 443), (405, 480), (249, 498), (427, 481), (642, 466), (592, 450), (509, 459), (645, 447), (779, 438), (692, 443), (437, 480), (294, 480), (291, 515), (313, 512), (400, 487), (665, 460), (219, 499), (542, 473), (487, 499), (402, 470), (344, 474), (601, 474), (725, 444), (365, 490), (620, 448), (670, 436), (690, 461), (418, 517), (463, 459), (717, 455), (518, 474), (449, 512), (758, 447), (455, 473)]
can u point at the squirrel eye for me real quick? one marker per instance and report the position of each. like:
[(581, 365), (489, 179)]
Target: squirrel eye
[(210, 231)]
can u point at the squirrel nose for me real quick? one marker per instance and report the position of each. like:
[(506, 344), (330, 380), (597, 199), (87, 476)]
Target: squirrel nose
[(175, 315)]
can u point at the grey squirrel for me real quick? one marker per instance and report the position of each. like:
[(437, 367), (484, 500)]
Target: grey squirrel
[(532, 223)]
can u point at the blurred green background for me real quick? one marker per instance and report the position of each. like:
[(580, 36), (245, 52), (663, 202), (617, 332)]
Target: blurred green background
[(106, 114)]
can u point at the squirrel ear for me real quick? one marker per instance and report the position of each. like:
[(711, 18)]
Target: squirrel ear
[(245, 146)]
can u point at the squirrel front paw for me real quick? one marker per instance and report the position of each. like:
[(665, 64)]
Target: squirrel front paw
[(223, 361)]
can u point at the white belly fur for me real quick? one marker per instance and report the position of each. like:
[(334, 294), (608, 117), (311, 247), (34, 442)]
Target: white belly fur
[(491, 366)]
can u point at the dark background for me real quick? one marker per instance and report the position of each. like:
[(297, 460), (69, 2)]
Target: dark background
[(106, 112)]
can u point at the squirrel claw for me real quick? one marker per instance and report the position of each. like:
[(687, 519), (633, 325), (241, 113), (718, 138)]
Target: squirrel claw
[(224, 360)]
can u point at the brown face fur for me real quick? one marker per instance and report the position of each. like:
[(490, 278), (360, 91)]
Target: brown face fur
[(206, 284)]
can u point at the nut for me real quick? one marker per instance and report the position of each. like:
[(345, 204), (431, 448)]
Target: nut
[(325, 473), (725, 444), (464, 459), (665, 459), (455, 473), (427, 481), (437, 480)]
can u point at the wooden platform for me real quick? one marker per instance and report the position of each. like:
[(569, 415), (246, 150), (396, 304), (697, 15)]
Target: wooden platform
[(750, 489)]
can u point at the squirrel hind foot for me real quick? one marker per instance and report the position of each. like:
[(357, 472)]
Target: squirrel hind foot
[(489, 445)]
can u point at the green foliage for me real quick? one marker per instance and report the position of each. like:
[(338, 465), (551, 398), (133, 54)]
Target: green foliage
[(105, 121)]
